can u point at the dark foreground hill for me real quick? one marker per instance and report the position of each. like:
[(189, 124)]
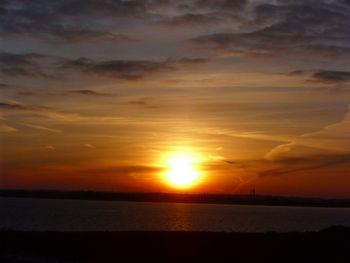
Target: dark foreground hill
[(330, 245)]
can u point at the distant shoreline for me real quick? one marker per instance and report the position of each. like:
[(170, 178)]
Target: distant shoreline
[(329, 245), (180, 198)]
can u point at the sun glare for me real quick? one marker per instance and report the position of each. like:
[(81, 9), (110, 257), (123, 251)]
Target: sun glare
[(181, 171)]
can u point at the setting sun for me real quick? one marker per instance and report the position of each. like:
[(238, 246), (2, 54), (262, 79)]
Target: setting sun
[(181, 172)]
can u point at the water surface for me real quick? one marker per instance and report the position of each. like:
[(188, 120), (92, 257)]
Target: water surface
[(83, 215)]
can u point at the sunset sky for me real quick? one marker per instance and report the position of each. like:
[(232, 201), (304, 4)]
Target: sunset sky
[(103, 95)]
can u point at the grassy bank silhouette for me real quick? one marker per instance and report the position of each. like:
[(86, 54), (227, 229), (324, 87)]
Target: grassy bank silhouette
[(329, 245)]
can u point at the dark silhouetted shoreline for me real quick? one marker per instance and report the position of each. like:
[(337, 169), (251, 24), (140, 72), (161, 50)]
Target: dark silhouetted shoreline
[(179, 198), (330, 245)]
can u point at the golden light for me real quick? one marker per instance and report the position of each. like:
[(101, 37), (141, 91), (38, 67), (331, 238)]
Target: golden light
[(181, 172)]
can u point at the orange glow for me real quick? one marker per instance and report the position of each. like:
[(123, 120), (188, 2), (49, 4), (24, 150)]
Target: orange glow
[(181, 171)]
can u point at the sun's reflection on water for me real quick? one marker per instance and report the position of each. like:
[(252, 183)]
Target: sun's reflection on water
[(178, 218)]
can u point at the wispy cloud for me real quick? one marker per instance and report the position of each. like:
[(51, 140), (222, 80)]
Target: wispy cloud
[(88, 145), (50, 147), (308, 163), (43, 128), (287, 29), (26, 64), (48, 21), (22, 107), (90, 93), (189, 19), (327, 147), (7, 128), (333, 77), (117, 69), (4, 86)]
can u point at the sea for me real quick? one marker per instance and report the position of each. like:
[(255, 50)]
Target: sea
[(85, 215)]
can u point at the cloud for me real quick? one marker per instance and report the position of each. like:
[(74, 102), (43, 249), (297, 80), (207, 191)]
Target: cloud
[(216, 157), (334, 137), (332, 77), (331, 138), (127, 170), (118, 69), (232, 5), (44, 66), (41, 111), (26, 64), (187, 61), (288, 28), (103, 8), (188, 20), (215, 107), (27, 93), (296, 73), (62, 22), (84, 92), (89, 93), (258, 27), (88, 145), (278, 150), (201, 13), (292, 165), (22, 107), (141, 103), (6, 128), (326, 147), (4, 86), (90, 21), (43, 128), (50, 147)]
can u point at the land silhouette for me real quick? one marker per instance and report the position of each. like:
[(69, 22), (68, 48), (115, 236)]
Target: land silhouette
[(329, 245), (250, 199)]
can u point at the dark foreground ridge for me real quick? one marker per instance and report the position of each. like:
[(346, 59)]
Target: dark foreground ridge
[(179, 198), (330, 245)]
